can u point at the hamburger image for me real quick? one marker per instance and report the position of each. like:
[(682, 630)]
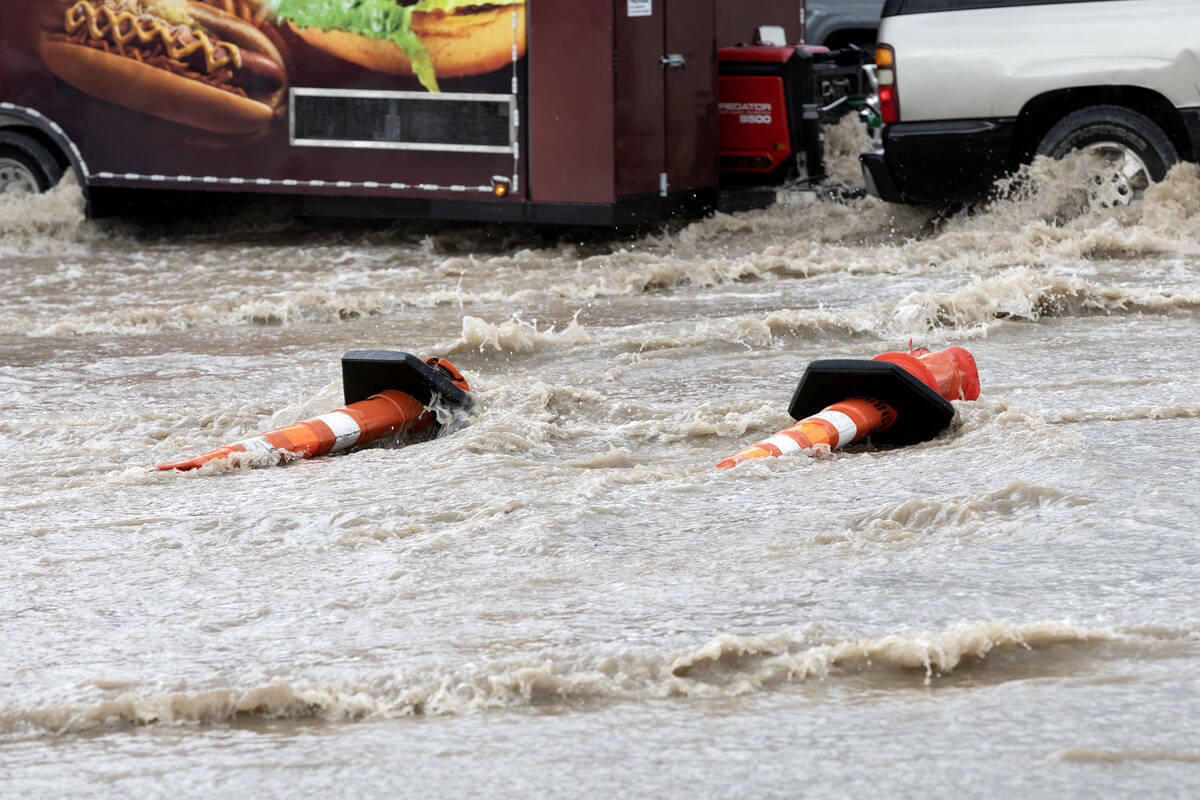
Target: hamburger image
[(428, 39), (178, 60)]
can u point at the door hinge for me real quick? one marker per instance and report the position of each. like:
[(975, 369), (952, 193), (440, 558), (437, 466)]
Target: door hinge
[(673, 61)]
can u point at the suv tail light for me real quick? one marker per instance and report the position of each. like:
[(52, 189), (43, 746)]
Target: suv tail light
[(885, 75)]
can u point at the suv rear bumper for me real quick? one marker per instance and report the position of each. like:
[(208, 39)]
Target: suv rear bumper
[(932, 162), (877, 178)]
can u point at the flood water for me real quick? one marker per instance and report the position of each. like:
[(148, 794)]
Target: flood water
[(566, 598)]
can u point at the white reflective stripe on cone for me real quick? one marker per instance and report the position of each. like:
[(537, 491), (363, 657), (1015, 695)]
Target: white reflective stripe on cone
[(257, 444), (345, 429), (847, 430), (786, 444)]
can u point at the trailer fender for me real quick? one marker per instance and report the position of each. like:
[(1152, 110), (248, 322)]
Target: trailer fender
[(15, 116)]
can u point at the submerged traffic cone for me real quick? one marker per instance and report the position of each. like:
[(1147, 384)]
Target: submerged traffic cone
[(386, 392), (895, 398)]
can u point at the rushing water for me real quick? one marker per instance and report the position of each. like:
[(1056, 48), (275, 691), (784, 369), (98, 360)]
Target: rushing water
[(565, 598)]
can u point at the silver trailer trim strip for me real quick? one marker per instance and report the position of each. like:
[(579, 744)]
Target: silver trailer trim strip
[(516, 112), (360, 145), (37, 118), (289, 182)]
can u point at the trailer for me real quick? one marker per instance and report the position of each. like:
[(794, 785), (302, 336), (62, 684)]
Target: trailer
[(599, 112)]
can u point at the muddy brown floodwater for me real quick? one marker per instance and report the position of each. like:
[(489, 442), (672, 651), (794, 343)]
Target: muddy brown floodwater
[(565, 598)]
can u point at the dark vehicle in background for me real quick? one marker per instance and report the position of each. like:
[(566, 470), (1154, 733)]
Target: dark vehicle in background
[(971, 89), (838, 23), (826, 23)]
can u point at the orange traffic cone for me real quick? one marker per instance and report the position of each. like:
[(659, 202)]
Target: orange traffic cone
[(386, 392), (895, 398)]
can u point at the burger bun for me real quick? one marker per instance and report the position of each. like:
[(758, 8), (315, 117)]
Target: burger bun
[(460, 44)]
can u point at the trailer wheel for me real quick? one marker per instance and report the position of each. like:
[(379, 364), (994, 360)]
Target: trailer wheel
[(26, 166), (1130, 150)]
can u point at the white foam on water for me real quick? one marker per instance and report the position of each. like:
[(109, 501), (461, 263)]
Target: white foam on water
[(961, 517), (1180, 411), (514, 336), (727, 666), (845, 140), (855, 237), (997, 424), (45, 222), (1024, 294), (972, 310)]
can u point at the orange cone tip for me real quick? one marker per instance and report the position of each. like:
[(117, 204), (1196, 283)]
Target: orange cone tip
[(383, 412), (897, 398)]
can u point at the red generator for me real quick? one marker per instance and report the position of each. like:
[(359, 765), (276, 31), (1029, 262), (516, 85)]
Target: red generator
[(772, 102)]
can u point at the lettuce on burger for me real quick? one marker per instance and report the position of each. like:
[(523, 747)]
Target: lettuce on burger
[(428, 39)]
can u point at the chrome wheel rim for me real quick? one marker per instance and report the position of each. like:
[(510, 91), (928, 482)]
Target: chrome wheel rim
[(1117, 174), (16, 178)]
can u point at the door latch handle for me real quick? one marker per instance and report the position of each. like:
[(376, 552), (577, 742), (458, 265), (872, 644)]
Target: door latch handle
[(673, 61)]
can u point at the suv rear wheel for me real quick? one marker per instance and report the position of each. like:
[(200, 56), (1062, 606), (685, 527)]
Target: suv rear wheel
[(26, 166), (1130, 151)]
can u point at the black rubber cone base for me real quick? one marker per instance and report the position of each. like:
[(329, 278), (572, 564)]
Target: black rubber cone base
[(369, 372), (921, 413)]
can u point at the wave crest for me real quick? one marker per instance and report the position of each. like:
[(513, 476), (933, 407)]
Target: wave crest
[(728, 665)]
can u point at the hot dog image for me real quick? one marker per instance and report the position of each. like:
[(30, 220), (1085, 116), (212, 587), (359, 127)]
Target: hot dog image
[(182, 61), (429, 39), (256, 13)]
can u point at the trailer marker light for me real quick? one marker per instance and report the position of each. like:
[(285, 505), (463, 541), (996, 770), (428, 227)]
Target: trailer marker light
[(500, 186)]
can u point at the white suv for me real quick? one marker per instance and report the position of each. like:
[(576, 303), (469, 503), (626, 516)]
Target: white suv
[(971, 89)]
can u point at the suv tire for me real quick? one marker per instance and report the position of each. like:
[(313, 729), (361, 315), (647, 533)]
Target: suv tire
[(26, 165), (1137, 150)]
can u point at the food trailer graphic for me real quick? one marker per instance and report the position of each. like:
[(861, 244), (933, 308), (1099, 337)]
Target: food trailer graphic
[(588, 112)]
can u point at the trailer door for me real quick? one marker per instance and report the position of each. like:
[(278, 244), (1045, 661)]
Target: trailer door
[(640, 97), (690, 81), (666, 93)]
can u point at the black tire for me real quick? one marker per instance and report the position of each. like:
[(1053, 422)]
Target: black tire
[(23, 158), (1120, 128)]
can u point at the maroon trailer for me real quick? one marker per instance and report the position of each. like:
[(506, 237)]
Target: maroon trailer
[(589, 112)]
